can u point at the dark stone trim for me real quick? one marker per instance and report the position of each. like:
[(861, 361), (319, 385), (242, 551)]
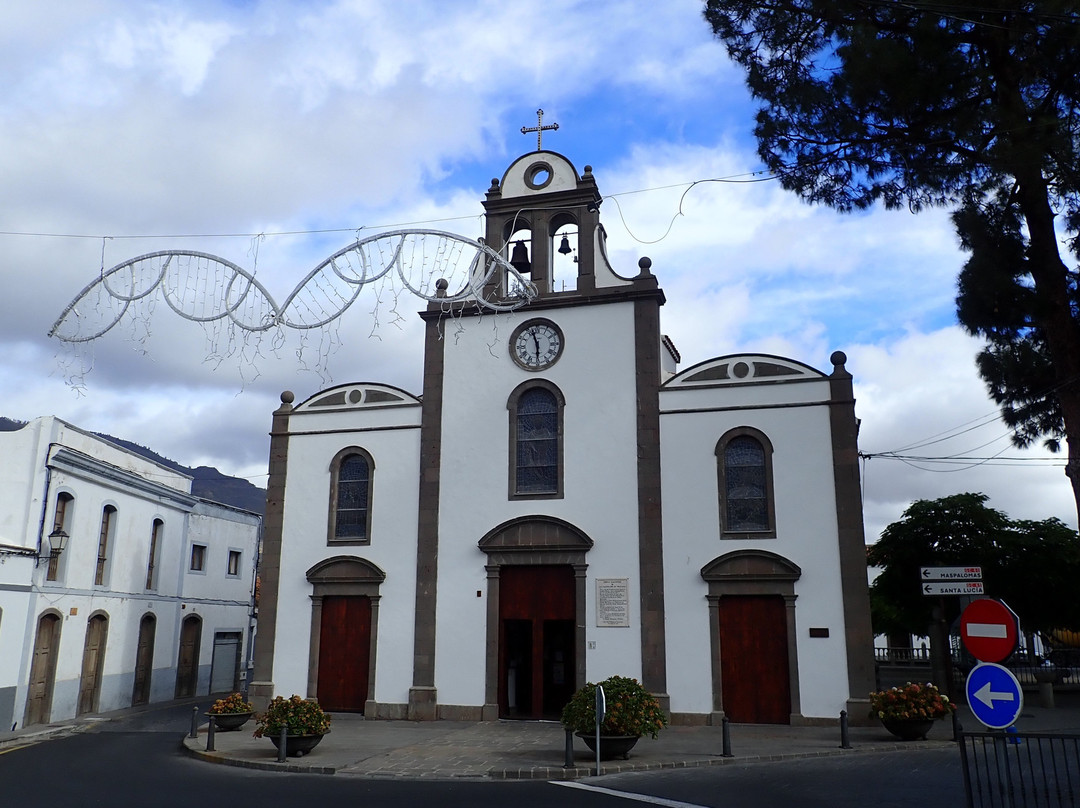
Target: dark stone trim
[(423, 698), (344, 576), (737, 407), (261, 689), (858, 633), (721, 478), (650, 517), (752, 572), (331, 516), (610, 294)]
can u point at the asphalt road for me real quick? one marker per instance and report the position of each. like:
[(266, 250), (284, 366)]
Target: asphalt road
[(136, 761)]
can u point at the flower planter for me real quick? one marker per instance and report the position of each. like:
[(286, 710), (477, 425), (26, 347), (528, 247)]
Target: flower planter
[(297, 745), (227, 722), (908, 729), (611, 746)]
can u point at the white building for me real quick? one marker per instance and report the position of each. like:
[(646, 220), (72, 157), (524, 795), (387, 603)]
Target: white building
[(150, 597), (561, 504)]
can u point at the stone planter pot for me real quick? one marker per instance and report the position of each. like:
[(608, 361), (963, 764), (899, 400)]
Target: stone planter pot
[(297, 745), (227, 722), (611, 746), (908, 729)]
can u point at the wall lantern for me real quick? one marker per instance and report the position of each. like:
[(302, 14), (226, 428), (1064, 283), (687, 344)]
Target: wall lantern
[(57, 542)]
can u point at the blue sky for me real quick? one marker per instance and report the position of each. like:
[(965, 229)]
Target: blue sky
[(126, 128)]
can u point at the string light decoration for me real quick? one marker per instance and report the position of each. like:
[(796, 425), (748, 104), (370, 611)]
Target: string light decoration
[(236, 310)]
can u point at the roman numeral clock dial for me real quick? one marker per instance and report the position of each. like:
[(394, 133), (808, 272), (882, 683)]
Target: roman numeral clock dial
[(536, 344)]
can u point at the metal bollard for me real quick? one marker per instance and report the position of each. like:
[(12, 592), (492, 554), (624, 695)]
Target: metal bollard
[(568, 755), (282, 750), (725, 734), (210, 734), (844, 742), (194, 722)]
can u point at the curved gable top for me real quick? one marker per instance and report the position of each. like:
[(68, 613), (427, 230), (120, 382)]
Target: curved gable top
[(528, 533), (345, 569), (357, 395), (743, 369), (518, 180), (751, 565)]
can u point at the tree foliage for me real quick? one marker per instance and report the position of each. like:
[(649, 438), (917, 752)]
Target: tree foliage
[(973, 106), (1031, 565)]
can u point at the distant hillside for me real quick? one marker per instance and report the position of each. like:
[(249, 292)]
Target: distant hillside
[(206, 483)]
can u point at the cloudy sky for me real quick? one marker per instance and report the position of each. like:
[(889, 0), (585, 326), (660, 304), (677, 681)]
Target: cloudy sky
[(274, 133)]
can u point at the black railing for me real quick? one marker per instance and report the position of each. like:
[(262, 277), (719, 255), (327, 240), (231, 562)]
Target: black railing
[(1020, 770)]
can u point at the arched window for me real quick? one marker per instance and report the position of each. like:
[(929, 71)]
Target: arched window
[(108, 528), (536, 440), (744, 466), (61, 521), (350, 497), (155, 548)]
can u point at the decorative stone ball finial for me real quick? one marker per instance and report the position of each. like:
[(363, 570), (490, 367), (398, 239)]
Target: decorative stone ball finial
[(287, 397), (838, 358), (441, 285), (644, 264)]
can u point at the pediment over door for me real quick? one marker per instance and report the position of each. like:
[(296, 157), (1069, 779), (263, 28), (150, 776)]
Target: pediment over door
[(751, 565), (535, 533), (345, 569)]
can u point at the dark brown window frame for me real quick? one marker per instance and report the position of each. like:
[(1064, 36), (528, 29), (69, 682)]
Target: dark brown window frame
[(770, 492), (156, 529), (335, 467), (105, 537), (512, 447), (65, 500)]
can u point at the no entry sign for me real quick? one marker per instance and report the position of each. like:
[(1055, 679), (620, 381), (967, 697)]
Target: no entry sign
[(989, 630)]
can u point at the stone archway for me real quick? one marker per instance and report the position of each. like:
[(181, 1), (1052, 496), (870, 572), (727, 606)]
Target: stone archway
[(759, 587), (344, 633), (546, 545)]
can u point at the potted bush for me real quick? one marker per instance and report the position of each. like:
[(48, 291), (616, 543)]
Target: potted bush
[(231, 712), (910, 711), (304, 722), (631, 711)]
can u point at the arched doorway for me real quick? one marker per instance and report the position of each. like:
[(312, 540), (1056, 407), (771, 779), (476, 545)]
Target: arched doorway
[(755, 666), (344, 633), (536, 616), (97, 630), (43, 669), (187, 661), (144, 659)]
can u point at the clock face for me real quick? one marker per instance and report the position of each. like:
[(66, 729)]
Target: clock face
[(536, 344)]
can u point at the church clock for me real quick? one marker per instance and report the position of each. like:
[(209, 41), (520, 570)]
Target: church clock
[(536, 344)]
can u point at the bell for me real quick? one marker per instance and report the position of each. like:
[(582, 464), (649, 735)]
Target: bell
[(519, 259), (564, 245)]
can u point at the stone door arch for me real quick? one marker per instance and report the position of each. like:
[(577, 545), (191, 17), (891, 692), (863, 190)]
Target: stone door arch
[(344, 633), (532, 541), (751, 579)]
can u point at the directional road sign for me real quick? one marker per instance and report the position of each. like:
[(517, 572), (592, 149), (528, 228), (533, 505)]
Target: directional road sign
[(994, 695), (952, 588), (951, 573), (989, 630)]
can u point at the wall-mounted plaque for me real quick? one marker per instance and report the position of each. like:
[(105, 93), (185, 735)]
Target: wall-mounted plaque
[(613, 602)]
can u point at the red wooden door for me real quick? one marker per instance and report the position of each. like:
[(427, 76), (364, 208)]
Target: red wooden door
[(536, 640), (754, 659), (344, 653)]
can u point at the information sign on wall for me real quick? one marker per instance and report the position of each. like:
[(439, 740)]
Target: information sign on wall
[(613, 602)]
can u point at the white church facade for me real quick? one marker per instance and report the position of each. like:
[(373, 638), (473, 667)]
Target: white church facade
[(561, 503)]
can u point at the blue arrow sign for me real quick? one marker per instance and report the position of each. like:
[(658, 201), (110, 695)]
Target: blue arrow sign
[(994, 695)]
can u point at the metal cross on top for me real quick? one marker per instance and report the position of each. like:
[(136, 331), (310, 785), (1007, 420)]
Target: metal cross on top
[(539, 128)]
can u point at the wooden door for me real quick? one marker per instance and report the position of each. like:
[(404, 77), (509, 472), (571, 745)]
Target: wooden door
[(187, 662), (344, 653), (92, 664), (43, 670), (144, 660), (536, 640), (754, 659)]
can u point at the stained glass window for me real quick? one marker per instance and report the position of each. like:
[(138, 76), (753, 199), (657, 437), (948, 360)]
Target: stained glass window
[(746, 490), (353, 479), (537, 467)]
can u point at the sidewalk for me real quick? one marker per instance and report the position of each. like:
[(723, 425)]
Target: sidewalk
[(517, 750)]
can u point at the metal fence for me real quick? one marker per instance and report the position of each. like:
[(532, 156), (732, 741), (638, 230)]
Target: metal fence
[(1020, 770)]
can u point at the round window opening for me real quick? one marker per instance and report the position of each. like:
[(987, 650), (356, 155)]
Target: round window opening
[(538, 176)]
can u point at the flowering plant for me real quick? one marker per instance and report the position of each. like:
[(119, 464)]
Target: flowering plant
[(231, 704), (917, 701), (296, 715), (630, 709)]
